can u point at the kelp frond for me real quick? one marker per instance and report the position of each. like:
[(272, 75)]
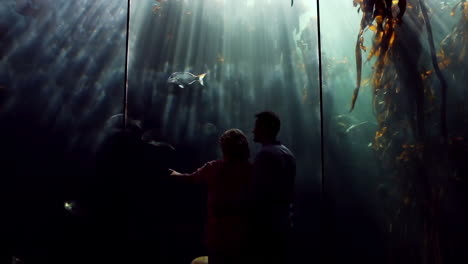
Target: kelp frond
[(379, 11)]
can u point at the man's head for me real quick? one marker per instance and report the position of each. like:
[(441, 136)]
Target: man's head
[(267, 126), (234, 145)]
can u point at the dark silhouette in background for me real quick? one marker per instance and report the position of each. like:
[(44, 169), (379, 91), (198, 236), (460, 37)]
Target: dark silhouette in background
[(126, 202)]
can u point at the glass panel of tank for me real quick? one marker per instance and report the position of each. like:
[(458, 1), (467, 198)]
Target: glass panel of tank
[(61, 77), (395, 129), (198, 68)]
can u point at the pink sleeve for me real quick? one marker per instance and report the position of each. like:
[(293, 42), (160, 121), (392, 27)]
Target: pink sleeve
[(201, 174)]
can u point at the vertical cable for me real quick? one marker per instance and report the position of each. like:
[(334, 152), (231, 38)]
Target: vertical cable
[(324, 217), (125, 107), (322, 158)]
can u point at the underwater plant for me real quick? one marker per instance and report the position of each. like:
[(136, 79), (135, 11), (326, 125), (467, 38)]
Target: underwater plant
[(379, 11), (413, 145)]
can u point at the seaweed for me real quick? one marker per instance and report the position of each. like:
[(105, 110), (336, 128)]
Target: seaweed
[(380, 12), (417, 164), (435, 64)]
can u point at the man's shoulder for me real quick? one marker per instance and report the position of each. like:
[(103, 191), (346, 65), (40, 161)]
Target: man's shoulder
[(267, 150), (286, 150), (273, 152), (275, 149)]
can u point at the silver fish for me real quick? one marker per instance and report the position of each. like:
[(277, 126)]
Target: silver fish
[(68, 206), (355, 125), (72, 207), (183, 79), (162, 145)]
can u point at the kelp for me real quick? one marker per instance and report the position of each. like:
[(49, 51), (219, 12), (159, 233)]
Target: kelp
[(443, 82), (405, 101), (379, 11), (453, 51)]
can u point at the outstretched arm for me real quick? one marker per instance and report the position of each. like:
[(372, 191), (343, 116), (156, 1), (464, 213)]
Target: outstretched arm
[(197, 176), (175, 173)]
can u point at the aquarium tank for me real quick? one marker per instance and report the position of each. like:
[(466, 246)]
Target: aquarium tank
[(99, 98)]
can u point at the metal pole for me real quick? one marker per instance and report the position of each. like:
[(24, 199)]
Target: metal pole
[(322, 158), (125, 107)]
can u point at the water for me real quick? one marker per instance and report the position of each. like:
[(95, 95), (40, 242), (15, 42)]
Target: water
[(388, 184), (250, 66)]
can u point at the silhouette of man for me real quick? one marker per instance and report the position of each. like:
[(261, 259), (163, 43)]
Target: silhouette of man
[(272, 187)]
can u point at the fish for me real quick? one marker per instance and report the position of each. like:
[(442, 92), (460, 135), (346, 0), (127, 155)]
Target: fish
[(183, 79), (354, 126), (15, 260), (157, 6), (200, 260), (162, 145), (302, 44), (115, 122), (68, 206), (208, 129), (155, 138), (72, 207), (461, 4), (220, 58), (31, 8), (292, 2), (151, 135)]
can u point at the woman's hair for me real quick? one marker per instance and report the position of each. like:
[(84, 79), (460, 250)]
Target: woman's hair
[(234, 145)]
